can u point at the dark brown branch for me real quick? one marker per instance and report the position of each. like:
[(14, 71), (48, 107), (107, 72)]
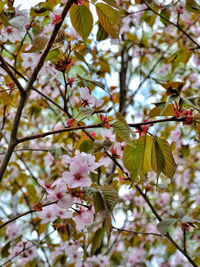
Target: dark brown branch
[(157, 62), (42, 135), (23, 214), (172, 23), (12, 76), (135, 232), (13, 137)]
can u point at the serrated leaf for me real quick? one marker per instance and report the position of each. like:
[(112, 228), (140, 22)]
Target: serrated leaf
[(4, 19), (39, 43), (110, 196), (101, 33), (97, 239), (80, 57), (99, 84), (164, 225), (54, 53), (132, 159), (107, 225), (165, 13), (4, 98), (122, 128), (189, 219), (190, 103), (192, 6), (147, 143), (2, 4), (98, 146), (111, 3), (98, 202), (18, 21), (5, 249), (169, 111), (169, 163), (157, 159), (86, 111), (173, 88), (40, 10), (109, 19), (82, 20)]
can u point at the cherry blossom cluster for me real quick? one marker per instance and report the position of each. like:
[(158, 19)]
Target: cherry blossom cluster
[(68, 190)]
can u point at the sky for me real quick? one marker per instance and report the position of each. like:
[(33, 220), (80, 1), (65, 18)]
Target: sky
[(27, 3)]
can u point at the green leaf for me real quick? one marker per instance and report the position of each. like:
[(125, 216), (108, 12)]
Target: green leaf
[(133, 158), (82, 20), (99, 84), (2, 4), (165, 13), (40, 10), (86, 111), (192, 6), (109, 18), (101, 34), (188, 219), (190, 102), (54, 53), (80, 57), (147, 143), (4, 98), (169, 165), (98, 202), (86, 146), (107, 225), (4, 20), (97, 239), (168, 111), (4, 250), (157, 159), (110, 196), (173, 88), (164, 225), (111, 3), (122, 128), (39, 43)]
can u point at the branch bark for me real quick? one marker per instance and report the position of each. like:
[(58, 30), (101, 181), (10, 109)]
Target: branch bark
[(13, 137)]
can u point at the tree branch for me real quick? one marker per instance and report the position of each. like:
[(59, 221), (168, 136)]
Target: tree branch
[(42, 135), (135, 232), (12, 76), (172, 23), (13, 137)]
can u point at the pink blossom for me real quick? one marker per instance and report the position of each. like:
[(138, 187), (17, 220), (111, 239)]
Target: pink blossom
[(74, 253), (59, 194), (48, 159), (84, 159), (57, 251), (30, 60), (10, 33), (101, 260), (30, 252), (78, 175), (163, 199), (88, 99), (48, 214), (83, 218), (107, 134), (176, 137), (89, 159), (58, 126), (136, 255), (63, 214), (13, 230)]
